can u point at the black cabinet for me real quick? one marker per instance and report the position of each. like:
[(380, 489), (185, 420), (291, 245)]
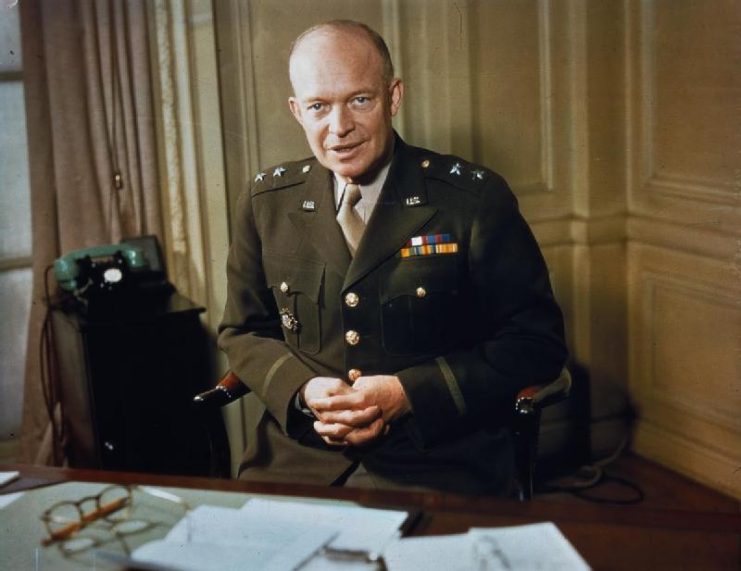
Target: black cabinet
[(127, 384)]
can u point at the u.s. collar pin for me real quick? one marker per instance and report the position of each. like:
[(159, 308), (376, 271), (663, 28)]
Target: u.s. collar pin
[(309, 206), (413, 201)]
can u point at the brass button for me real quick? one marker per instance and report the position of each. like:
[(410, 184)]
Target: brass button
[(352, 337), (352, 299), (284, 287), (425, 163), (421, 292), (354, 374)]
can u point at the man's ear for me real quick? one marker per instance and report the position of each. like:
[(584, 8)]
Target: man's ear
[(295, 109), (396, 94)]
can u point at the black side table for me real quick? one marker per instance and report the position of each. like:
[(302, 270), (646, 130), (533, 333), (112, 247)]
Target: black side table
[(127, 383)]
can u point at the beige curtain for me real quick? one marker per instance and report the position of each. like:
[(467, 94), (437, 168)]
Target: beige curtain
[(91, 135)]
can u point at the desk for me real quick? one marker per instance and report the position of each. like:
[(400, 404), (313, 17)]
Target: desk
[(608, 537)]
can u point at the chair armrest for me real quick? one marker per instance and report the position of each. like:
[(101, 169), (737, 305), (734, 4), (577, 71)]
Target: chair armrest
[(228, 389), (537, 397)]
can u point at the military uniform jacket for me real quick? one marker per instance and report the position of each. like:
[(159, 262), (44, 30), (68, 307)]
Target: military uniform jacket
[(448, 290)]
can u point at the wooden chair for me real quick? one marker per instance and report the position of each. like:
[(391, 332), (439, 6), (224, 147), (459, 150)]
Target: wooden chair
[(528, 406)]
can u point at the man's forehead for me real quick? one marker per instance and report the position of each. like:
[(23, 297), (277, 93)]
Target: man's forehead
[(334, 53)]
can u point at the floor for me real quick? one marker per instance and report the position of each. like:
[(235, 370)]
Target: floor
[(659, 487)]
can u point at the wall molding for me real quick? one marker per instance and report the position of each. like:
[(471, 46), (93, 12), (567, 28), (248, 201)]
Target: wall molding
[(646, 178), (703, 409), (697, 460), (578, 231), (697, 239)]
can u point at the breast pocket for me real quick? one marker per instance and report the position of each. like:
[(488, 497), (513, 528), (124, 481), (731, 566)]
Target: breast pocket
[(418, 299), (296, 285)]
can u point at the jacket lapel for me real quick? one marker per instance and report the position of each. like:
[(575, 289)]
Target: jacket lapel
[(401, 211), (319, 225)]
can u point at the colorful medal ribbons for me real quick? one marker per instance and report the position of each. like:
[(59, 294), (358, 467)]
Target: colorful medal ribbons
[(428, 245)]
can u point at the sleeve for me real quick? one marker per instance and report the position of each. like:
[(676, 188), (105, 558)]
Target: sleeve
[(250, 333), (519, 337)]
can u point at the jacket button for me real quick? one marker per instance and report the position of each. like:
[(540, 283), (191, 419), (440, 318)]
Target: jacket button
[(352, 337), (284, 287), (354, 374), (421, 292), (352, 299)]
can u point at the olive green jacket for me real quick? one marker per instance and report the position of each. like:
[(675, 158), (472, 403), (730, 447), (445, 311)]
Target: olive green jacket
[(464, 323)]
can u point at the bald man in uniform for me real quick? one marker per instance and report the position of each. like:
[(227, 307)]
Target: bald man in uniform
[(385, 302)]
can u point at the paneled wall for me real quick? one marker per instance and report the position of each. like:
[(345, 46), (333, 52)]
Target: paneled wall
[(616, 124), (684, 270)]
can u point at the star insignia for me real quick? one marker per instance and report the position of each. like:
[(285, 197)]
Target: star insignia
[(456, 169), (279, 171), (478, 175), (306, 169), (259, 177)]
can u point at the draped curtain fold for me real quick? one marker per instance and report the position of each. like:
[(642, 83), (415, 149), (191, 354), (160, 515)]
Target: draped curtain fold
[(92, 152)]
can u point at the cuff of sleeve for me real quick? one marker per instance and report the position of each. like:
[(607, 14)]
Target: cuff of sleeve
[(299, 405), (283, 380)]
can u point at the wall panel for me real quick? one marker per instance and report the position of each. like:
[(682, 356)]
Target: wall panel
[(685, 362)]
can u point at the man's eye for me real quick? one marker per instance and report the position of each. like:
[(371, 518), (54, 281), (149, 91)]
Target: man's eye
[(361, 100), (315, 107)]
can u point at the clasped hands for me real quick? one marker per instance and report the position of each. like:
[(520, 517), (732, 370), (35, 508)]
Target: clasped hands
[(354, 414)]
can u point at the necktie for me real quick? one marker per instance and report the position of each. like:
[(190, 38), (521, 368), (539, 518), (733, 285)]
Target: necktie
[(349, 220)]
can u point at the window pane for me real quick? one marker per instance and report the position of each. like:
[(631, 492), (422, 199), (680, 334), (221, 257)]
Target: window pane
[(15, 203), (15, 304), (10, 38)]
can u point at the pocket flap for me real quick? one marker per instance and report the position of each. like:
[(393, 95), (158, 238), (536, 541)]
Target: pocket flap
[(421, 276), (294, 275)]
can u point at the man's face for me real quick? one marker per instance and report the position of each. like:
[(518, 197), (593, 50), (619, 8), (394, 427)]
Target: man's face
[(342, 102)]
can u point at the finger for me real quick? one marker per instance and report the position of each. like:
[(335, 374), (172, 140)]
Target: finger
[(361, 436), (333, 431), (354, 418), (349, 401)]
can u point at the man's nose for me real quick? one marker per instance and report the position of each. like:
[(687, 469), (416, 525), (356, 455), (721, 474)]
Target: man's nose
[(340, 121)]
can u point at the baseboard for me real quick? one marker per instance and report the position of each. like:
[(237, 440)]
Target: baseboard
[(693, 459)]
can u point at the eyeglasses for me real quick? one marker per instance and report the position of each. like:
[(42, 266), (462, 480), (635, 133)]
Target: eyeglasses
[(113, 506)]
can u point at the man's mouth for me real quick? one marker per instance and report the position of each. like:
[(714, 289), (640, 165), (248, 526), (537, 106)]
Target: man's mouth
[(345, 150)]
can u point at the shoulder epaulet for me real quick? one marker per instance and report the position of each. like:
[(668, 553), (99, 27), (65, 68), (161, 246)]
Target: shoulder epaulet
[(455, 171), (283, 175)]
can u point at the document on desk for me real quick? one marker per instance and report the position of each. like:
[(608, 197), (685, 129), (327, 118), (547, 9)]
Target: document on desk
[(539, 546), (361, 529), (219, 538)]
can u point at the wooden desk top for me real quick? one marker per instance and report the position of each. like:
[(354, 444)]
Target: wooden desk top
[(608, 537)]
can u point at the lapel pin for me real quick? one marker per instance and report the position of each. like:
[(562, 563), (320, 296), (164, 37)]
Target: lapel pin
[(456, 169), (306, 169), (279, 171), (413, 201), (478, 175), (260, 177), (309, 205)]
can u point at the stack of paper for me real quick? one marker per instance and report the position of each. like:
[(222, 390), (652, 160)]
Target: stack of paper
[(273, 535), (538, 546)]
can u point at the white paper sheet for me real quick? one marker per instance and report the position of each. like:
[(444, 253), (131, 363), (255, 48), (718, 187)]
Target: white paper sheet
[(218, 538), (361, 529), (7, 499), (532, 547), (7, 477)]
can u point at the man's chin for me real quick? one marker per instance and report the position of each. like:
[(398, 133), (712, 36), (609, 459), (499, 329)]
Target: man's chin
[(352, 170)]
